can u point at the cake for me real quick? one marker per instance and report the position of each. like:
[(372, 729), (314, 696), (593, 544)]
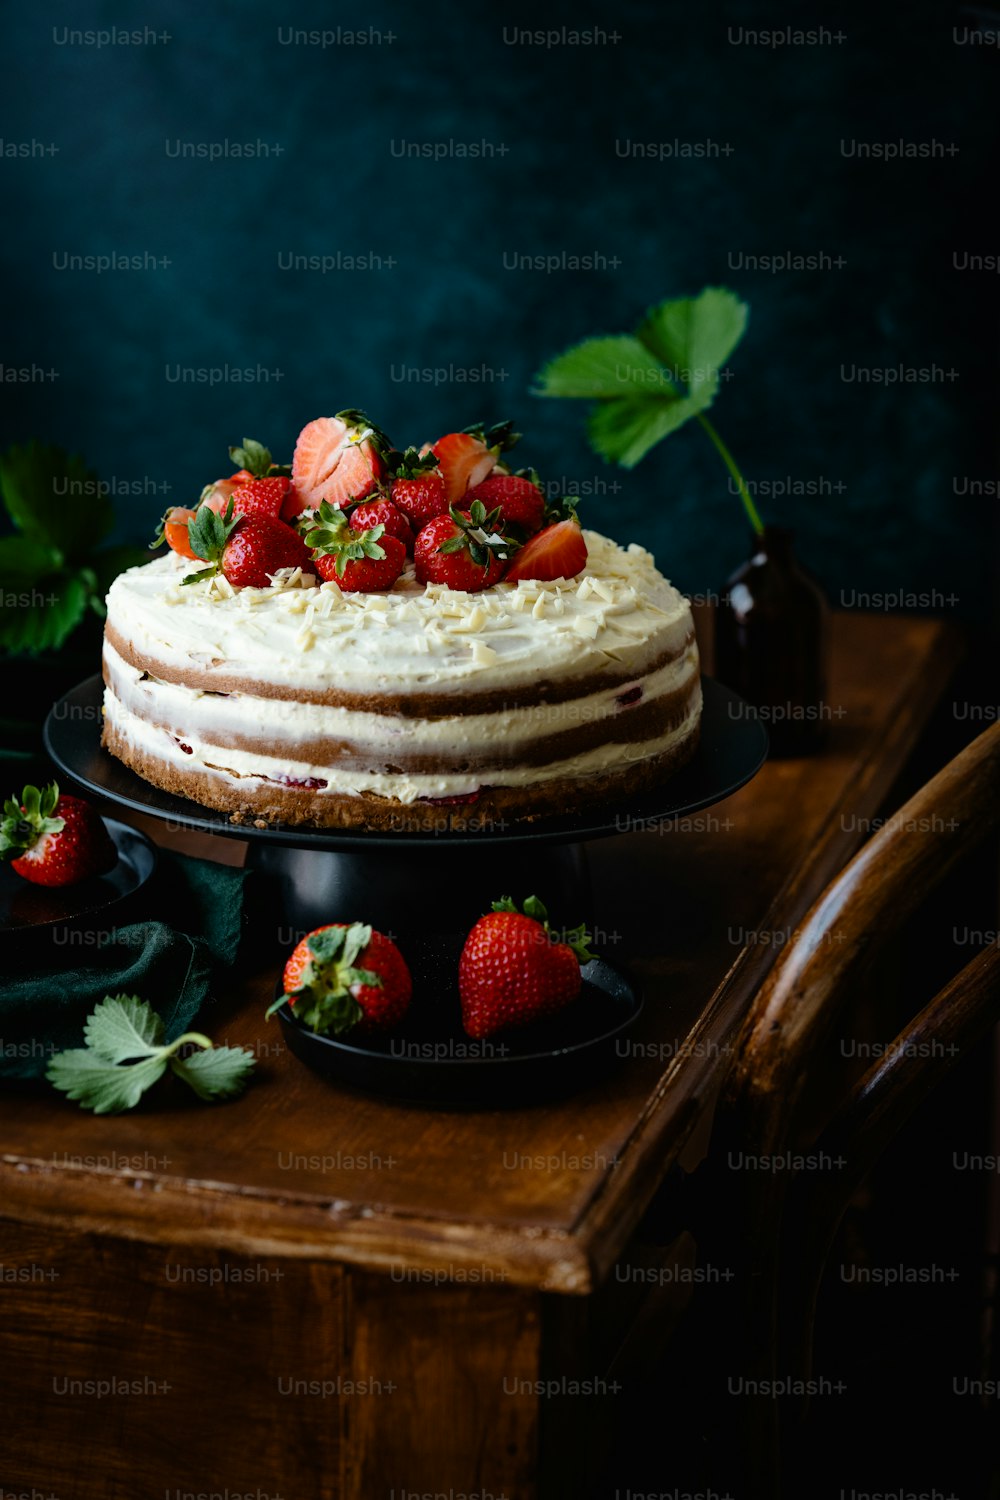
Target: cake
[(415, 707)]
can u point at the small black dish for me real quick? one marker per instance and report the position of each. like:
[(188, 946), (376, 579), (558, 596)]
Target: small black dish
[(44, 923), (429, 1060)]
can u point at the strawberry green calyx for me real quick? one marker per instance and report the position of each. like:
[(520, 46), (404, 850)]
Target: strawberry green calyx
[(323, 999), (479, 535), (334, 537), (500, 436), (161, 533), (411, 464), (256, 459), (563, 509), (24, 822), (208, 534), (577, 938)]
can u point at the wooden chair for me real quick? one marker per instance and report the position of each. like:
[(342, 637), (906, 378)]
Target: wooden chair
[(784, 1225)]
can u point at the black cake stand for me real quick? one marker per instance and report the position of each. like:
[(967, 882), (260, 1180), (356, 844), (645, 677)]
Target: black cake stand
[(426, 890), (408, 882)]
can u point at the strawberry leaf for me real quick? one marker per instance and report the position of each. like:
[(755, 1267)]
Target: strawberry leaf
[(53, 498), (123, 1027), (218, 1073), (605, 368)]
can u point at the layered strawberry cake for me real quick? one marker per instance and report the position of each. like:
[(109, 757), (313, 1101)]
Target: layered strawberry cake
[(404, 641)]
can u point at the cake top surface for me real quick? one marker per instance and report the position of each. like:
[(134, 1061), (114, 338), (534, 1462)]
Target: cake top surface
[(619, 611)]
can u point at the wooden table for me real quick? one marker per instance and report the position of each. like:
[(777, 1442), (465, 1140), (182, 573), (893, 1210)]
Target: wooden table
[(316, 1294)]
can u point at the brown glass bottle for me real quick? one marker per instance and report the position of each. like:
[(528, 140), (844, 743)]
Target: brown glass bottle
[(771, 641)]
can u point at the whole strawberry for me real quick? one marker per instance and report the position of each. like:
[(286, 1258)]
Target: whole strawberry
[(53, 840), (261, 497), (463, 549), (520, 501), (383, 513), (247, 550), (174, 531), (346, 975), (514, 971), (362, 562), (416, 486)]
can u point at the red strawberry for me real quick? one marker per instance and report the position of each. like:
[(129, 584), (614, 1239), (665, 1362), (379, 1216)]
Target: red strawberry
[(246, 549), (514, 971), (383, 513), (53, 840), (557, 552), (341, 976), (465, 458), (337, 459), (360, 561), (261, 497), (462, 549), (416, 485), (175, 530), (520, 500)]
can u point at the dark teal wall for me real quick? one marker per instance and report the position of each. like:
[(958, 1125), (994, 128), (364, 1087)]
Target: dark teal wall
[(891, 462)]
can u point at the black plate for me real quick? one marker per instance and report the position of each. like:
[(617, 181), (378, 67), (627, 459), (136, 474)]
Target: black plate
[(732, 750), (430, 1060), (68, 919)]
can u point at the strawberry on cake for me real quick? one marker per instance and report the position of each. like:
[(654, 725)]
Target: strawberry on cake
[(396, 640)]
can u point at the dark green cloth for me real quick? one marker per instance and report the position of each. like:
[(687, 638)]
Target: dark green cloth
[(169, 964)]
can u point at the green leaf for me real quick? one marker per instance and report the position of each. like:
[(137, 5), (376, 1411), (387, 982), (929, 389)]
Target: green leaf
[(623, 431), (219, 1073), (604, 368), (122, 1027), (506, 903), (694, 337), (42, 616), (53, 498), (105, 1087), (534, 908), (252, 456)]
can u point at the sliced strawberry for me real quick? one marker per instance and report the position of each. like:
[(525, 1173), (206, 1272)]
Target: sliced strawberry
[(465, 458), (557, 552), (337, 459)]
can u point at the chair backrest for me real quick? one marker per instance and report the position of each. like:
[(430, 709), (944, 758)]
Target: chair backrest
[(781, 1228), (812, 980)]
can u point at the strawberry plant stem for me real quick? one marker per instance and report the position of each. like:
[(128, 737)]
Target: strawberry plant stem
[(730, 463)]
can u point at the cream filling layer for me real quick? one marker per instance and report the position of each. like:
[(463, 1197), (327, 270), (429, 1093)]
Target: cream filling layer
[(406, 788), (620, 610), (192, 711)]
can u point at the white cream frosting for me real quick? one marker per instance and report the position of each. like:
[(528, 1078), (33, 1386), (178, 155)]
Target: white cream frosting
[(619, 612), (407, 788)]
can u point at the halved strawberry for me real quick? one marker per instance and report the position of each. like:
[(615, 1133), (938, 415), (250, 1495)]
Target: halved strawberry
[(557, 552), (465, 458), (337, 459)]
